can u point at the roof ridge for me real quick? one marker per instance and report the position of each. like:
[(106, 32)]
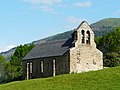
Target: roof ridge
[(54, 41), (81, 25)]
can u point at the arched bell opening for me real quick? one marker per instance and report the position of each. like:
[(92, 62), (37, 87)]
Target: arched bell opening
[(88, 37), (83, 36)]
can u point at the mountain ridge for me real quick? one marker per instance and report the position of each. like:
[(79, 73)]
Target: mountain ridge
[(100, 28)]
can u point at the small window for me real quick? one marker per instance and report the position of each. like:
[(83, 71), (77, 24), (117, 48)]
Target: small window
[(54, 67), (94, 62), (88, 37), (83, 36), (41, 66), (31, 67)]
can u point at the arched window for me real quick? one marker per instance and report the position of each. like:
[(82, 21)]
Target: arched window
[(88, 37), (41, 62), (83, 36), (29, 70)]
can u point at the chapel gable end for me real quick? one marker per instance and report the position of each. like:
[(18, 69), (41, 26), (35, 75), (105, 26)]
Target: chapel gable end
[(84, 35)]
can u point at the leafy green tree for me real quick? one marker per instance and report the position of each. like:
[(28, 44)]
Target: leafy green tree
[(110, 46), (15, 66), (3, 75)]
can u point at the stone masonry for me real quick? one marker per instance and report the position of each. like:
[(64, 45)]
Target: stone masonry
[(85, 56), (74, 55)]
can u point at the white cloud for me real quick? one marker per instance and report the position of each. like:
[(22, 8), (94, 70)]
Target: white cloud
[(3, 49), (83, 4), (74, 20), (45, 2), (44, 5), (44, 8)]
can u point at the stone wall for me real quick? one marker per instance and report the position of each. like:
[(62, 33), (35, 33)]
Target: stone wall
[(82, 57), (61, 66), (85, 57), (91, 59)]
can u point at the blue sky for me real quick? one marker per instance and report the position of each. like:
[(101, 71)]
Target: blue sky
[(23, 21)]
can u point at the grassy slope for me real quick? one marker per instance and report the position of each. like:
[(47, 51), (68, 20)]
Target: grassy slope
[(105, 26), (107, 79), (113, 22)]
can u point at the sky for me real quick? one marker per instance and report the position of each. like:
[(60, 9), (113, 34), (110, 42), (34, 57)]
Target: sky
[(23, 21)]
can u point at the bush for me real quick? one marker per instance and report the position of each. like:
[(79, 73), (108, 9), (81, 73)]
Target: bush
[(112, 62), (110, 46)]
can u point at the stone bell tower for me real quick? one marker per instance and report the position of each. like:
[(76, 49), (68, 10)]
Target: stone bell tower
[(84, 56)]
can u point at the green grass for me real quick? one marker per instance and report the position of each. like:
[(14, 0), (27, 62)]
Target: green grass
[(106, 79)]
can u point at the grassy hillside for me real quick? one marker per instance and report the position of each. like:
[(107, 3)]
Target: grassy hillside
[(110, 22), (106, 79), (55, 37), (105, 26)]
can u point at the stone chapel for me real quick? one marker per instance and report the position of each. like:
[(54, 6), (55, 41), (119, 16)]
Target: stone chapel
[(73, 55)]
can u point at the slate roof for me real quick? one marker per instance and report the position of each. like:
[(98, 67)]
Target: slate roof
[(54, 48)]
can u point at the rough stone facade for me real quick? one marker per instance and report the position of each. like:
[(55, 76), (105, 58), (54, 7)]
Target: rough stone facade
[(85, 56), (81, 56)]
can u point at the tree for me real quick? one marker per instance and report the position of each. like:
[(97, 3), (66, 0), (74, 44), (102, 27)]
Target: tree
[(15, 67), (110, 46), (3, 75)]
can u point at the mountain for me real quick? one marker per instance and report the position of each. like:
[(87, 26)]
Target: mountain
[(106, 79), (55, 37), (100, 28), (105, 26), (8, 53)]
